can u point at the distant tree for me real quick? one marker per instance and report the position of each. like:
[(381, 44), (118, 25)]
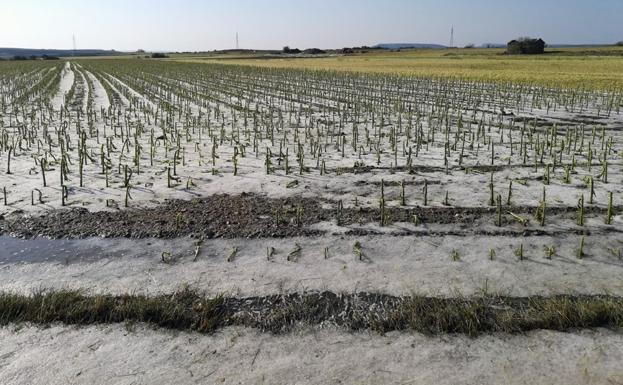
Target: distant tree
[(140, 51), (289, 50), (21, 57), (314, 51), (470, 45), (620, 43), (158, 55)]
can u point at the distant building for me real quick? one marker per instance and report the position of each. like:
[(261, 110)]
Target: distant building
[(525, 46)]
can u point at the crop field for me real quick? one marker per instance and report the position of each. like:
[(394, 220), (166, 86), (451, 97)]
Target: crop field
[(587, 68), (201, 195)]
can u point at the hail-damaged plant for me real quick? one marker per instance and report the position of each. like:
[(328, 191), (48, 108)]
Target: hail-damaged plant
[(492, 254), (519, 252), (580, 251), (270, 251), (498, 221), (521, 220), (232, 254), (610, 211), (550, 251), (358, 251), (541, 209), (382, 213), (580, 219), (294, 255)]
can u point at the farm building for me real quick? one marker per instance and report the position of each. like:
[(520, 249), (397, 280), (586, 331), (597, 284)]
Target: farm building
[(526, 46)]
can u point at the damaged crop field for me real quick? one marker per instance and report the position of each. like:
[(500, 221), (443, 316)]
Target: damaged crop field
[(268, 206)]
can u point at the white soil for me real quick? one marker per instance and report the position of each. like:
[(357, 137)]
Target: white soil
[(396, 265), (100, 98), (67, 81), (115, 355)]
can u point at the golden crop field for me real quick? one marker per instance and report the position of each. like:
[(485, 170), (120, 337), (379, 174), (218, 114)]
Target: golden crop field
[(592, 68)]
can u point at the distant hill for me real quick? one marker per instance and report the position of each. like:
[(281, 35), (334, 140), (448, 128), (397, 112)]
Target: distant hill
[(409, 45), (12, 52)]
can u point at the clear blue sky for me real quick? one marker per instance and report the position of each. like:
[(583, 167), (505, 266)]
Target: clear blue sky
[(212, 24)]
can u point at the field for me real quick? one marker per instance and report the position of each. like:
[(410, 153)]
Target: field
[(592, 68), (213, 215)]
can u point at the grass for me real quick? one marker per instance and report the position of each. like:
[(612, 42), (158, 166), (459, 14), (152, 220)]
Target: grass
[(191, 311), (512, 315), (183, 310), (592, 68)]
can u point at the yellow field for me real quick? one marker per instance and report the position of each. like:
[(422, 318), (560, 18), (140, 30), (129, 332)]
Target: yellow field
[(594, 68)]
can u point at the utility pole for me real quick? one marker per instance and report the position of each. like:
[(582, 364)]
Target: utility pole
[(452, 37), (237, 43)]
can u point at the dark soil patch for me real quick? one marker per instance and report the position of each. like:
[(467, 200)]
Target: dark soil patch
[(219, 216), (247, 216)]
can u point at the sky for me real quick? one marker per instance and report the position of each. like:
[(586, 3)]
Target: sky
[(201, 25)]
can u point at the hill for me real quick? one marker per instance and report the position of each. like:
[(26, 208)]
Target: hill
[(12, 52)]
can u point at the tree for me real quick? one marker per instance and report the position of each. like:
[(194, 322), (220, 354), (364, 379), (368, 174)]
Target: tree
[(314, 51), (289, 50)]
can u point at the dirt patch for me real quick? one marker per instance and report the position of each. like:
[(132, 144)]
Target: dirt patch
[(250, 216), (219, 216)]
